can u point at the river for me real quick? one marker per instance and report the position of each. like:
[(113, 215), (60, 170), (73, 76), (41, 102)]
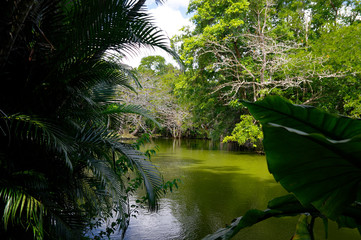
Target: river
[(217, 185)]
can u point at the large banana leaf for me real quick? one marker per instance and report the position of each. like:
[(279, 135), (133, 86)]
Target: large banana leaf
[(279, 207), (313, 154), (305, 118)]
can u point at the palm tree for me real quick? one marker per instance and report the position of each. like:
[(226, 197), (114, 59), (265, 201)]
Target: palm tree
[(60, 166)]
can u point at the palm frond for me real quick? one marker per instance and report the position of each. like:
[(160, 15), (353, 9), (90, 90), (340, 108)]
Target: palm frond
[(116, 109), (102, 71), (109, 178), (122, 26), (40, 131), (152, 178), (17, 201), (67, 225), (113, 73), (62, 50), (110, 184), (101, 85), (92, 136), (115, 59), (4, 127), (114, 187), (105, 94)]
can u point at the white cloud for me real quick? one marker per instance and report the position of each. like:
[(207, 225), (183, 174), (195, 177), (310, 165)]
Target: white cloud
[(177, 3), (170, 18)]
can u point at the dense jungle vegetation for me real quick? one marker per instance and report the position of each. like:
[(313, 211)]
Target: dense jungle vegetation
[(305, 51), (67, 100)]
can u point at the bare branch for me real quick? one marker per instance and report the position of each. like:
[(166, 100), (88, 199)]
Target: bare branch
[(263, 62)]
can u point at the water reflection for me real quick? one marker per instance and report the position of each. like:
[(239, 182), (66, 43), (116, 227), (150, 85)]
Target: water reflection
[(160, 225), (217, 186)]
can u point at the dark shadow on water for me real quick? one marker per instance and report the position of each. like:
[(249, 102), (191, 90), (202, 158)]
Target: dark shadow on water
[(221, 170), (181, 162), (202, 144)]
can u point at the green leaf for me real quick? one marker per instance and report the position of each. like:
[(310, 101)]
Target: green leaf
[(311, 153), (15, 200), (283, 206), (275, 109), (325, 225), (302, 231), (289, 203), (250, 218)]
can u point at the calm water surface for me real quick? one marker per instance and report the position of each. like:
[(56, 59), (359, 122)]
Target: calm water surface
[(217, 186)]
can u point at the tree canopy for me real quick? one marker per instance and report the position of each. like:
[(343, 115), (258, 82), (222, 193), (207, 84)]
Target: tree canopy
[(303, 50)]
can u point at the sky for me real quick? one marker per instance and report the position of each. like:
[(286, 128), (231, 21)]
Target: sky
[(170, 17)]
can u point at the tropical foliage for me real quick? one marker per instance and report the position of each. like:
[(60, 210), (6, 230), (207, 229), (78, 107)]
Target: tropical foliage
[(306, 51), (313, 155), (60, 165), (246, 132)]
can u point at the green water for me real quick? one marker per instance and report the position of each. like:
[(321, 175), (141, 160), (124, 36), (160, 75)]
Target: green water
[(217, 186)]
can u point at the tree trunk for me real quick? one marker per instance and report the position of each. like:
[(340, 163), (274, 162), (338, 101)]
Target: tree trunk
[(136, 130), (153, 130)]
